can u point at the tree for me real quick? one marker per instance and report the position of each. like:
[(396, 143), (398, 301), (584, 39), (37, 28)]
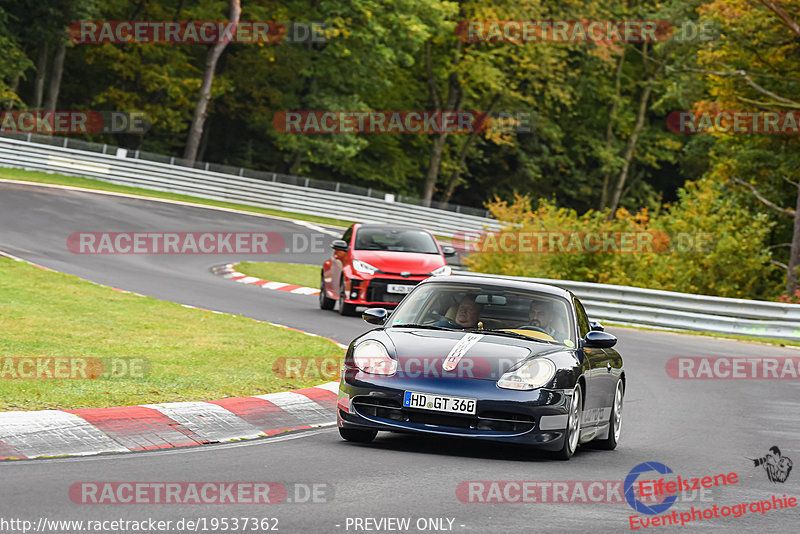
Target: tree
[(754, 67), (201, 109)]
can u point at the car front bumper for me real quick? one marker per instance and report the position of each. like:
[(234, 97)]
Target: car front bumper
[(537, 417), (374, 291)]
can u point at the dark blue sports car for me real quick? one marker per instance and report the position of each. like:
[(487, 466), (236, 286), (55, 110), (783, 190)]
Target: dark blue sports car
[(485, 358)]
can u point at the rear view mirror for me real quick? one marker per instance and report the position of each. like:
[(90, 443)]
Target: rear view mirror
[(375, 315), (448, 251), (595, 326), (599, 340), (339, 244), (496, 300)]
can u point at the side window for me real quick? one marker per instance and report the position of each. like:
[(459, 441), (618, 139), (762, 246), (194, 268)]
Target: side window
[(347, 235), (583, 320)]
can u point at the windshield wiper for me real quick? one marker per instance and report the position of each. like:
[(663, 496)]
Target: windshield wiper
[(512, 334)]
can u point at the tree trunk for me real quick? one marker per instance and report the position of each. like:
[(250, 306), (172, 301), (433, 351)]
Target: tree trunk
[(433, 168), (55, 77), (630, 149), (201, 109), (794, 253), (612, 115), (453, 104), (14, 87), (455, 179), (41, 71), (201, 152)]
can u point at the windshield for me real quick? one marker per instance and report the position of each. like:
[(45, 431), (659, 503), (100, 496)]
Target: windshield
[(475, 306), (398, 240)]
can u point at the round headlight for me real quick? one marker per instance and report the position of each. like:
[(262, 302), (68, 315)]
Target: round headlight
[(531, 375), (372, 357)]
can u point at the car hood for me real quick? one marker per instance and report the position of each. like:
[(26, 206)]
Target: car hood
[(422, 353), (397, 262)]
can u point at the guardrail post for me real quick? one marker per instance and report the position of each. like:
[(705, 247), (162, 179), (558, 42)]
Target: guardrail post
[(241, 171), (206, 166), (369, 192), (136, 154), (66, 139), (172, 160), (29, 137), (105, 146), (337, 186), (307, 180), (274, 177)]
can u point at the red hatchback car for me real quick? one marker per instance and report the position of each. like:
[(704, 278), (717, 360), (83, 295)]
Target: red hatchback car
[(377, 265)]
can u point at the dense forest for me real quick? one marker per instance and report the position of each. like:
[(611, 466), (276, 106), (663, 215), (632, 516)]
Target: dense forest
[(581, 132)]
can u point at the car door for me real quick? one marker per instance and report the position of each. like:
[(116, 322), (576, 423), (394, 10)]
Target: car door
[(594, 368)]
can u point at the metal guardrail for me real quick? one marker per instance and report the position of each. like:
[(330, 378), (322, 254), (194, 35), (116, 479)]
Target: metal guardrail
[(680, 311), (158, 176)]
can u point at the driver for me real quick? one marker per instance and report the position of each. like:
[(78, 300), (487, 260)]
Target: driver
[(467, 314), (541, 314), (365, 240)]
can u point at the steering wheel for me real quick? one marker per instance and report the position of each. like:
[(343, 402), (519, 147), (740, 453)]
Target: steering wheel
[(534, 328), (438, 317)]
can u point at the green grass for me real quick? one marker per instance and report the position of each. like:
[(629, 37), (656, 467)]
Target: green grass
[(89, 183), (193, 354), (288, 273)]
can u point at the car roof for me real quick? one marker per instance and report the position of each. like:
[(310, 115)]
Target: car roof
[(497, 281)]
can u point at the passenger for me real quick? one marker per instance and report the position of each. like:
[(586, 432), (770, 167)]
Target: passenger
[(467, 314)]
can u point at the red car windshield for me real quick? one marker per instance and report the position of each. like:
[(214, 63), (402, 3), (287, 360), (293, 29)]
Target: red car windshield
[(398, 240)]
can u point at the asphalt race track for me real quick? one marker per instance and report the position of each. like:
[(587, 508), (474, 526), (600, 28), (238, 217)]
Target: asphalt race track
[(696, 427)]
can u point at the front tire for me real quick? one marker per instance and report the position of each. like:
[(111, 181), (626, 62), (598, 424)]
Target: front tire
[(356, 435), (344, 308), (615, 423), (325, 303), (572, 433)]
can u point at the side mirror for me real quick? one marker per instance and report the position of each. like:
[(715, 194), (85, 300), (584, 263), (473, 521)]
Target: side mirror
[(448, 250), (595, 326), (377, 316), (599, 340), (339, 244)]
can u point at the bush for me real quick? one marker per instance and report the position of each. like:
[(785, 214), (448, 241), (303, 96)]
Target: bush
[(705, 243)]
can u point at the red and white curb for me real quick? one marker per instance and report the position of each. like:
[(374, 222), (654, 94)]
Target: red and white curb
[(227, 271), (50, 433)]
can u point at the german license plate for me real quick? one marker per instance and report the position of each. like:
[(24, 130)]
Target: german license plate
[(439, 403), (398, 288)]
